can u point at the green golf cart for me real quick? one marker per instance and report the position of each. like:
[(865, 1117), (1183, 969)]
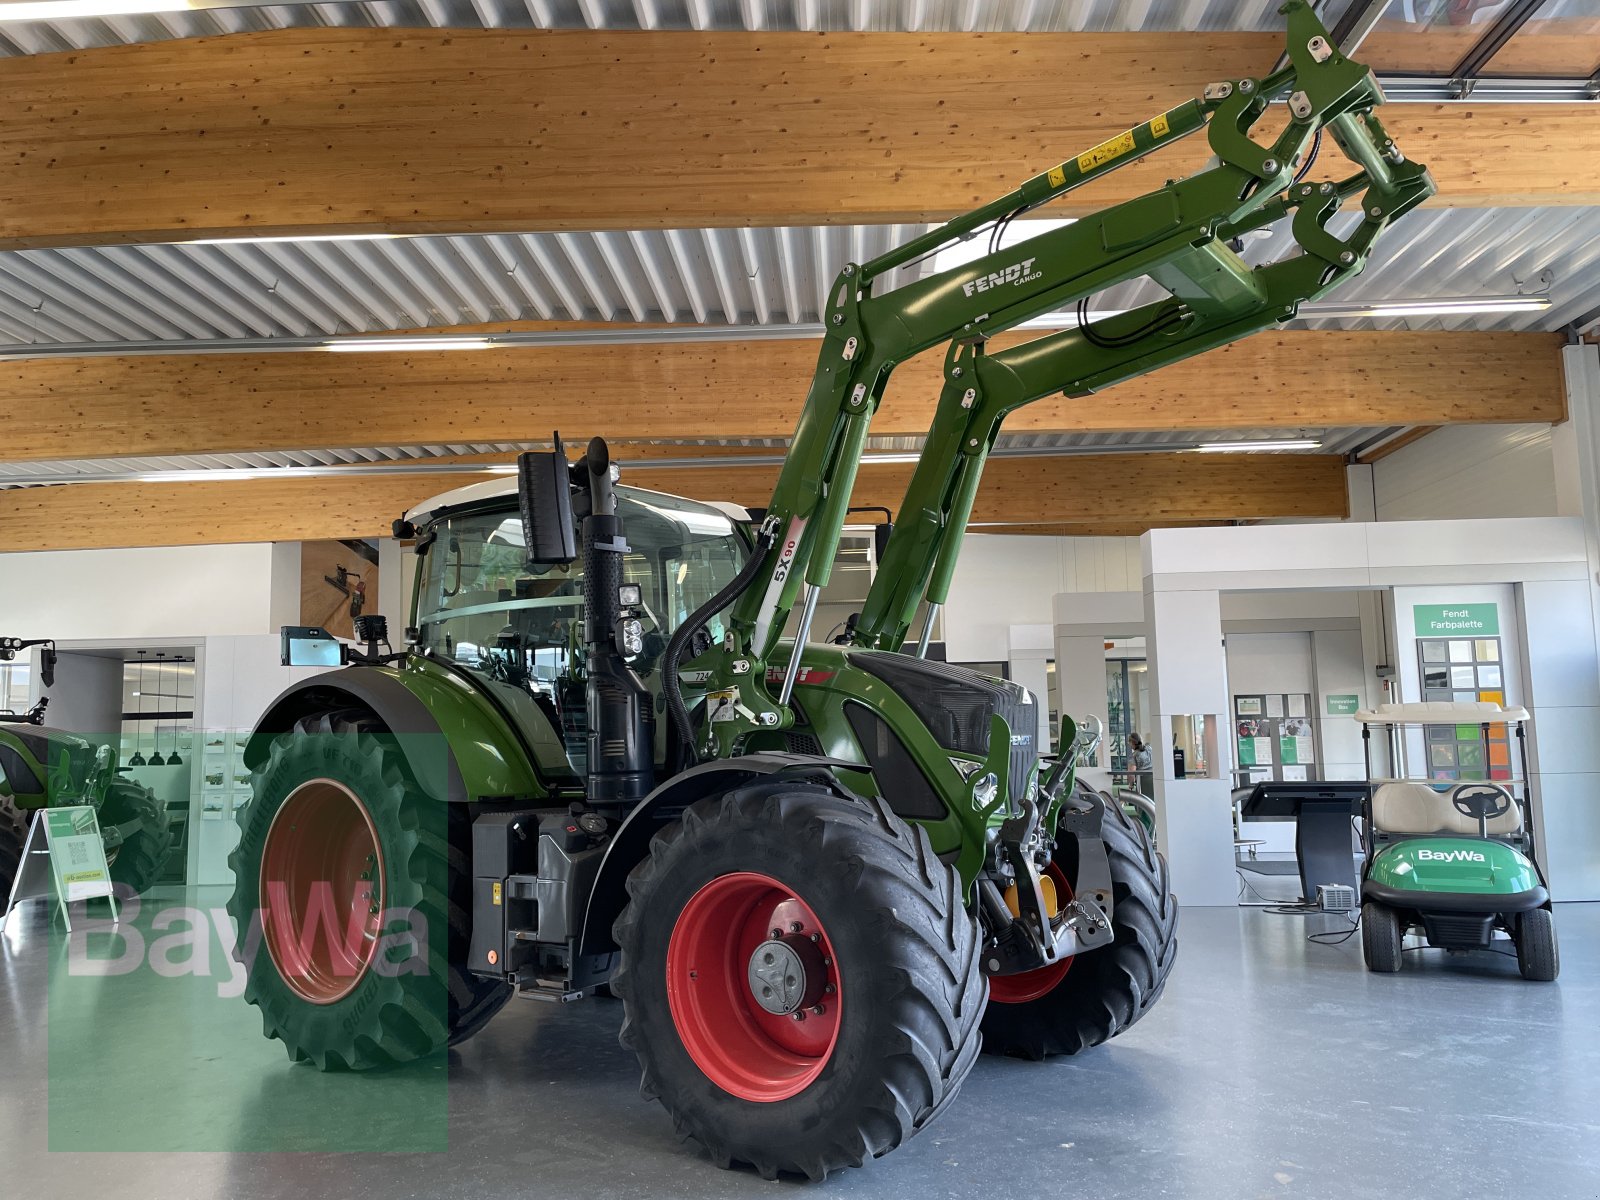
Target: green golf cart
[(1454, 857)]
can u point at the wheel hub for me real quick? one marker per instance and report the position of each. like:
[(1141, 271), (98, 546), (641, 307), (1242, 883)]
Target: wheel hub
[(786, 974)]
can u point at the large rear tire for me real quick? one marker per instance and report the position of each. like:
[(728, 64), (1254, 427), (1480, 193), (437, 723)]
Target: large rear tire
[(13, 836), (333, 794), (1381, 937), (878, 954), (1071, 1006), (1538, 957), (142, 856)]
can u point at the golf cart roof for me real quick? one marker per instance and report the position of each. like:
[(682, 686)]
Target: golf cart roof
[(1440, 712), (492, 489)]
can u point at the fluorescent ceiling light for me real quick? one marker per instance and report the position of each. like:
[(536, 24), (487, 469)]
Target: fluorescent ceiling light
[(890, 457), (62, 10), (1439, 308), (1286, 444), (405, 345), (302, 237)]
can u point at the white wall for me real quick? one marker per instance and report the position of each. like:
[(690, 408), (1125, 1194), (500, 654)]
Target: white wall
[(1469, 471), (167, 591), (1003, 580), (87, 695)]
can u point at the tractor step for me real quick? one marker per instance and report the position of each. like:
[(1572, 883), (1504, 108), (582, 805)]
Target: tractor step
[(548, 991)]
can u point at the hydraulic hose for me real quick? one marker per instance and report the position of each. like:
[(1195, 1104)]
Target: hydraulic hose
[(682, 724)]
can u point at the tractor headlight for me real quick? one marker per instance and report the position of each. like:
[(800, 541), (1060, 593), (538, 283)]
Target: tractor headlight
[(632, 637), (630, 595), (985, 790)]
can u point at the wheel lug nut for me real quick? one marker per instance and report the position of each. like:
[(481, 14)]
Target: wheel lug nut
[(816, 937), (794, 926), (828, 989), (818, 1010), (799, 1016), (777, 935)]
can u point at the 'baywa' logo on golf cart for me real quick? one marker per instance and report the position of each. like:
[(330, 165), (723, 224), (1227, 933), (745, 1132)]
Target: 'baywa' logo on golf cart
[(1017, 272), (1475, 856)]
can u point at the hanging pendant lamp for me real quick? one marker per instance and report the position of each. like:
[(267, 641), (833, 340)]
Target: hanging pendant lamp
[(155, 759), (138, 759)]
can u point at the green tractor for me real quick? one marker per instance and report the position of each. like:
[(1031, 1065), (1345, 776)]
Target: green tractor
[(820, 877), (51, 768)]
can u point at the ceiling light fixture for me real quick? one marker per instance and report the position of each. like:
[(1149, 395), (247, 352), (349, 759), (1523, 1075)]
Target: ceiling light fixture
[(1284, 444), (1445, 308), (401, 345), (64, 10), (301, 237)]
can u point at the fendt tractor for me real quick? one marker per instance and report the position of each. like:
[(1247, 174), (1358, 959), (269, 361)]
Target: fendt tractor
[(819, 877), (52, 768)]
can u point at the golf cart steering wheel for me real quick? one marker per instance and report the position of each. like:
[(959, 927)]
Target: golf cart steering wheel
[(1482, 801)]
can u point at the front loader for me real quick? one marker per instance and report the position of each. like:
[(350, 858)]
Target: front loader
[(819, 877)]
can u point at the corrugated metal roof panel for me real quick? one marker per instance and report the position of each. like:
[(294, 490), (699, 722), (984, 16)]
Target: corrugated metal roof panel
[(734, 276), (917, 16)]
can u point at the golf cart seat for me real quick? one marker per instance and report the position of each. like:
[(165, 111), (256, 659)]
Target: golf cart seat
[(1405, 807)]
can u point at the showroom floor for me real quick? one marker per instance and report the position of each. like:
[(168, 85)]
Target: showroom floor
[(1271, 1068)]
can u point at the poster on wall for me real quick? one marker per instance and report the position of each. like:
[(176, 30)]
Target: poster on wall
[(1247, 706)]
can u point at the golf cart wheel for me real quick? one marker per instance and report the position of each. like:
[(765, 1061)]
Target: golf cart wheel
[(353, 925), (13, 836), (1088, 999), (799, 978), (1380, 937), (1538, 957), (143, 855)]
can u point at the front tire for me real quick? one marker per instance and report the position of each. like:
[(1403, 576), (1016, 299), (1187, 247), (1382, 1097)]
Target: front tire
[(142, 857), (1081, 1002), (1538, 957), (13, 837), (862, 906), (1381, 937), (339, 826)]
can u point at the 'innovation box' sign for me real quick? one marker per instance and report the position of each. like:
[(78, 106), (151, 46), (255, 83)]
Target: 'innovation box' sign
[(1456, 620)]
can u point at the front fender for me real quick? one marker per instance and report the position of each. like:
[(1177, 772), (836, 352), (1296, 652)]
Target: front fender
[(665, 804)]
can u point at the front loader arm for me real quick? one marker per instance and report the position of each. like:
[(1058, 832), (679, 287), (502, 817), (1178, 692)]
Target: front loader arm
[(1176, 234)]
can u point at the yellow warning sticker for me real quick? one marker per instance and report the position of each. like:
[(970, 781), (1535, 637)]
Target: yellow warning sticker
[(1106, 151), (1160, 126), (1057, 175), (497, 892)]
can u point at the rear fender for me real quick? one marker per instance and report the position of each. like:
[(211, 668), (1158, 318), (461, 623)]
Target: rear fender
[(666, 804), (380, 693)]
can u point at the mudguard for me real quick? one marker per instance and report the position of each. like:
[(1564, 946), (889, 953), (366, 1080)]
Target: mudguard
[(632, 840)]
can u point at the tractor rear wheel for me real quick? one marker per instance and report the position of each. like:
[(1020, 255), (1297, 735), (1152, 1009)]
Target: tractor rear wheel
[(143, 855), (356, 880), (1082, 1001), (13, 836), (1381, 937), (799, 978), (1537, 955)]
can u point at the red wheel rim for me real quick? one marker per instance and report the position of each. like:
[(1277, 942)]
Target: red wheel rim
[(321, 891), (743, 1048), (1030, 985)]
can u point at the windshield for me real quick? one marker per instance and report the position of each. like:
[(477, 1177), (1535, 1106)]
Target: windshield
[(518, 626)]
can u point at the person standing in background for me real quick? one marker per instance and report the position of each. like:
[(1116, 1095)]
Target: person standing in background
[(1143, 763)]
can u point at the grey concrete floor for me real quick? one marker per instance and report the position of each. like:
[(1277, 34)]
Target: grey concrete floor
[(1271, 1068)]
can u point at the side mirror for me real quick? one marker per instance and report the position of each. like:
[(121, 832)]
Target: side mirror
[(47, 666), (880, 538), (311, 646), (544, 496)]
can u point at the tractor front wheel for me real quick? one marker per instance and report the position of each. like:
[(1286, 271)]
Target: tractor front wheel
[(799, 978), (13, 836), (1082, 1001), (143, 854)]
